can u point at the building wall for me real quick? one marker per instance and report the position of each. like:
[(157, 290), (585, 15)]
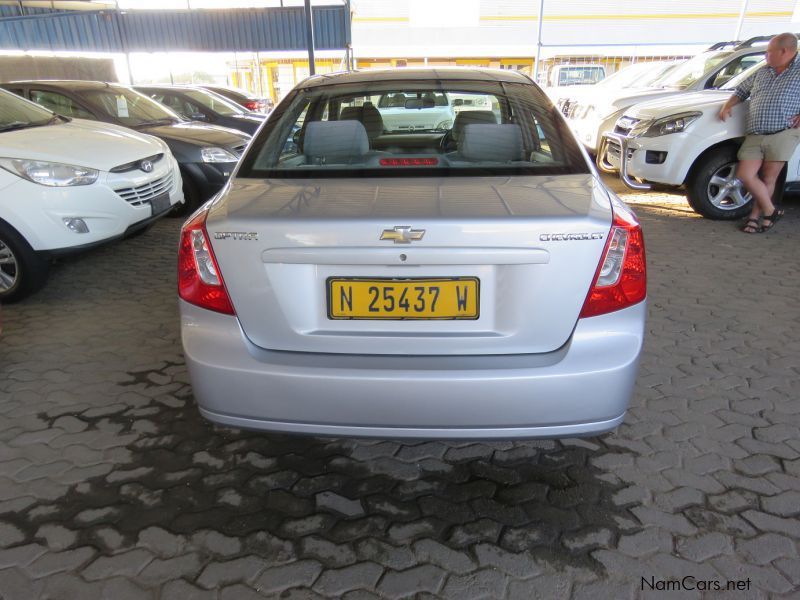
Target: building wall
[(509, 28)]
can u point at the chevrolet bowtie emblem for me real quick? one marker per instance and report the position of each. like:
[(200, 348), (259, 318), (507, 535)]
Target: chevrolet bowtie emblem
[(402, 235)]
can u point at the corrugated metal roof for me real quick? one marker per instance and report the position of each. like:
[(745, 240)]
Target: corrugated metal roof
[(263, 29)]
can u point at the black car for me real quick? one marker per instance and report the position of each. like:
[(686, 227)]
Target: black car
[(207, 154), (197, 104), (242, 98)]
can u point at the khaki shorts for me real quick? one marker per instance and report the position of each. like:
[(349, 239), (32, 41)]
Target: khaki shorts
[(777, 147)]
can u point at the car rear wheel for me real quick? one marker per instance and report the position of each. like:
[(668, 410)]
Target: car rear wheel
[(22, 271), (713, 189)]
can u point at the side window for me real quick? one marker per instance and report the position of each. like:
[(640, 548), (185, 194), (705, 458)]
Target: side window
[(732, 69), (60, 104), (290, 146), (172, 102), (189, 107)]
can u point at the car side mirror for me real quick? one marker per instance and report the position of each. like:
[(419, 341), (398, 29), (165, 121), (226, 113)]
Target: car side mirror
[(197, 117)]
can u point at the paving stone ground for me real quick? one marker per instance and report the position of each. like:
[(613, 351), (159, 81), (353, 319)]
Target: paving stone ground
[(112, 486)]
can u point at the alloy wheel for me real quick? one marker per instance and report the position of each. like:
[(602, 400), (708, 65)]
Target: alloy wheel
[(725, 191), (9, 268)]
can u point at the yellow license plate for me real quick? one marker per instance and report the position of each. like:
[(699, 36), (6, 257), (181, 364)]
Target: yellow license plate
[(421, 298)]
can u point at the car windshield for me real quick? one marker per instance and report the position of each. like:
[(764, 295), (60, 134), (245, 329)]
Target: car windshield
[(383, 129), (626, 76), (686, 74), (129, 107), (214, 102), (649, 78), (16, 113), (734, 82)]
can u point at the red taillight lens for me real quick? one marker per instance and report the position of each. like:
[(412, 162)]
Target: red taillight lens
[(251, 105), (621, 278), (199, 278)]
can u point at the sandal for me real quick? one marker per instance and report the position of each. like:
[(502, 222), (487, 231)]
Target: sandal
[(773, 218), (751, 226)]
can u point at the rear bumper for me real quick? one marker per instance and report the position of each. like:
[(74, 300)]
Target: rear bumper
[(582, 389)]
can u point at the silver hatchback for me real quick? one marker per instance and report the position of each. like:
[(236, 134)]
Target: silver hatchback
[(470, 278)]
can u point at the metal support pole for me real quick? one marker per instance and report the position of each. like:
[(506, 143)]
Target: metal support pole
[(258, 74), (349, 35), (310, 38), (538, 44), (741, 20), (118, 18)]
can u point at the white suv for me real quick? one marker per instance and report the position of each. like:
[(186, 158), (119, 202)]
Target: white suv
[(591, 117), (66, 185), (682, 141)]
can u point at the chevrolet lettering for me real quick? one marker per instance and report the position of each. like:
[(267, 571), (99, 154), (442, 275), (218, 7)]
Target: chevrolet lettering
[(565, 237), (235, 235)]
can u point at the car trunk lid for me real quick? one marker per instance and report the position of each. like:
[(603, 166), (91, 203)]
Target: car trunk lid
[(529, 245)]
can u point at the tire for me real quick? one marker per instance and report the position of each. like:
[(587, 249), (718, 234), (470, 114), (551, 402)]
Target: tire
[(712, 188), (22, 271), (191, 198)]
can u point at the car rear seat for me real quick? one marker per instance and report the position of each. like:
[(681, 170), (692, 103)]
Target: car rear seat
[(367, 115), (489, 144), (464, 118), (337, 142)]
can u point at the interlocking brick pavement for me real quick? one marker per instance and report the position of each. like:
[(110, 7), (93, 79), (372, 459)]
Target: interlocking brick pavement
[(112, 486)]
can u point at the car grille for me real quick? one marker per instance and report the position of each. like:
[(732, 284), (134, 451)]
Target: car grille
[(136, 196), (624, 125), (238, 150), (572, 110), (614, 149), (133, 166)]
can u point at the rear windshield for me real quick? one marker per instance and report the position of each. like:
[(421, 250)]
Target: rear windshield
[(414, 128)]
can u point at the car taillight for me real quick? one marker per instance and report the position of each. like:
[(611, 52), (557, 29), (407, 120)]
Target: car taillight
[(621, 278), (199, 278), (409, 162), (251, 105)]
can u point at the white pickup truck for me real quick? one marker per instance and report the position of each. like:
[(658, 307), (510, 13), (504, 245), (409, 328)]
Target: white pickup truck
[(591, 117), (680, 141)]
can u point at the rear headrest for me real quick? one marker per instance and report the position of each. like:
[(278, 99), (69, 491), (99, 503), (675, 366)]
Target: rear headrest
[(491, 143), (335, 141), (465, 117), (368, 115)]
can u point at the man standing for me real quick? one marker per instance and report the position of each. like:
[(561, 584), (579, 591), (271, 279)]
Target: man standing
[(772, 129)]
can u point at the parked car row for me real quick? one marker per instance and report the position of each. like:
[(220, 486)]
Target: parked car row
[(83, 163), (669, 132), (68, 184)]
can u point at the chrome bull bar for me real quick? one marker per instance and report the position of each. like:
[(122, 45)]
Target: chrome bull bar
[(623, 160)]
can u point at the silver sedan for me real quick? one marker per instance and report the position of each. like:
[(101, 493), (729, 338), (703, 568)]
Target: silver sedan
[(467, 279)]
